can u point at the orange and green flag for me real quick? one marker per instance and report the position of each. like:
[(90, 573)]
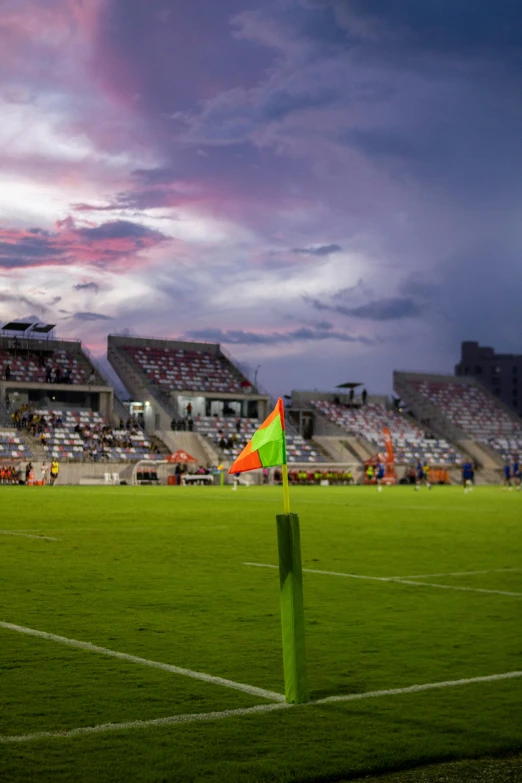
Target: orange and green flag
[(268, 446)]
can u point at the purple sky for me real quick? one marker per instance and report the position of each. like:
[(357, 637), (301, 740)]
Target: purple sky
[(332, 189)]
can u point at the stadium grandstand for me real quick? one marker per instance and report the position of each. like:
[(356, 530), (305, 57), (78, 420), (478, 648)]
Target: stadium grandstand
[(47, 384), (56, 403), (462, 410), (356, 422), (201, 394)]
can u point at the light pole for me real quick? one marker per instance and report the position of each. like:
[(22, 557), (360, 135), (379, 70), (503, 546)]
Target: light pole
[(255, 376)]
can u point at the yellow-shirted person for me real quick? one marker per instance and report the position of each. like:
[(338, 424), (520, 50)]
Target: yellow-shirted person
[(55, 469)]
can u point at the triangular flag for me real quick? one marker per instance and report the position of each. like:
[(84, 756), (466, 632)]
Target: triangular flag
[(268, 446)]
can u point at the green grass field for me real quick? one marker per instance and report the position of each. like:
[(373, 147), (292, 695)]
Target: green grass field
[(160, 574)]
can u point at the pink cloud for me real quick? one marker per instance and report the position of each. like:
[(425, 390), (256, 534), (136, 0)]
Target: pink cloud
[(117, 243)]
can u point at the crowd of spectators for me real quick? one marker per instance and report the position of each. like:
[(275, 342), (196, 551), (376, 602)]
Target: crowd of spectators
[(83, 436)]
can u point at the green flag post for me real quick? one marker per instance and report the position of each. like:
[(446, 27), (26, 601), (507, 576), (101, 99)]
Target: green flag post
[(267, 449), (292, 607)]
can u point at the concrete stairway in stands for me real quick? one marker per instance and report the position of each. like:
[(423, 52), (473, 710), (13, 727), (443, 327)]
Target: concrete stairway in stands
[(336, 449), (481, 454), (191, 442)]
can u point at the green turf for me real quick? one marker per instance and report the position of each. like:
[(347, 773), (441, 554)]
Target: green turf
[(159, 573)]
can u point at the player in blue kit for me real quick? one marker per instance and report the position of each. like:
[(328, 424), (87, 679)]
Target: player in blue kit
[(507, 476), (467, 476), (517, 474), (423, 475), (379, 473)]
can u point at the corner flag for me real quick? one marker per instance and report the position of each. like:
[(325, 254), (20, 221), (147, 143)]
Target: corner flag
[(268, 446)]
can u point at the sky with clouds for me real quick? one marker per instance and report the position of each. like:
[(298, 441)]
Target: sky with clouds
[(332, 189)]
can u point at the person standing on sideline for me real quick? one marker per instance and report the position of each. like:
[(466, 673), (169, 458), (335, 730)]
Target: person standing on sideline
[(44, 474), (517, 474), (55, 469)]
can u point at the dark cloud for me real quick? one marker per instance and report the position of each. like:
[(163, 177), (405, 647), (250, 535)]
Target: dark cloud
[(91, 317), (466, 28), (87, 287), (23, 300), (241, 337), (386, 309), (119, 229), (322, 250)]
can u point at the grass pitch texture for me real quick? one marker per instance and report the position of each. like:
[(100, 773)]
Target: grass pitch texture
[(160, 574)]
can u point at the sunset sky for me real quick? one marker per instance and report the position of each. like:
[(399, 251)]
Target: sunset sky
[(332, 189)]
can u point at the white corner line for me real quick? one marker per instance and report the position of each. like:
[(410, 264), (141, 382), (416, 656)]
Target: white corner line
[(397, 579), (143, 724), (261, 708), (238, 686), (27, 535), (418, 688)]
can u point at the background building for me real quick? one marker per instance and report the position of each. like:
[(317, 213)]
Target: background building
[(500, 373)]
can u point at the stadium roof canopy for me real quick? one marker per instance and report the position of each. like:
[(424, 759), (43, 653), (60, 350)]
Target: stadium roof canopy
[(17, 326), (43, 328), (348, 385), (27, 327)]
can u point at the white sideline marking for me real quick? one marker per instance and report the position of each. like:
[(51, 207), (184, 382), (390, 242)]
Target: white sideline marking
[(460, 573), (206, 716), (455, 587), (417, 688), (239, 686), (26, 535), (400, 580), (143, 724), (328, 573)]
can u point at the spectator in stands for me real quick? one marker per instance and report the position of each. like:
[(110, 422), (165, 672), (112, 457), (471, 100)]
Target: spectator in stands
[(190, 424), (7, 401), (48, 374), (189, 410), (7, 371), (57, 375), (364, 396), (238, 426), (92, 378), (67, 375)]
